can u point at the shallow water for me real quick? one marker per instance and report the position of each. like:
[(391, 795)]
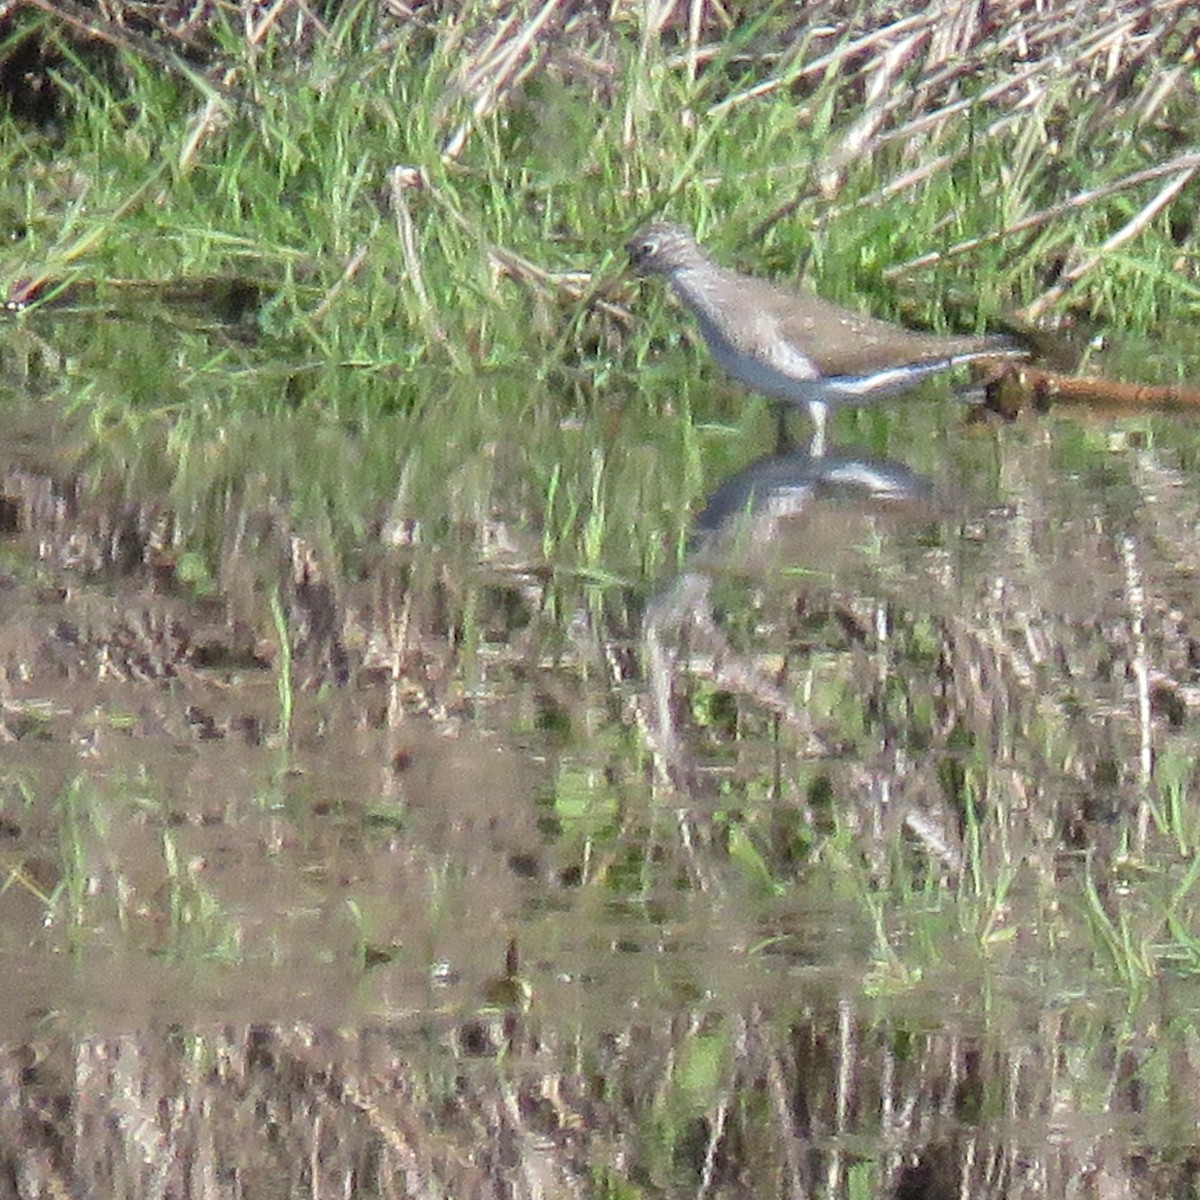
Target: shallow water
[(350, 797)]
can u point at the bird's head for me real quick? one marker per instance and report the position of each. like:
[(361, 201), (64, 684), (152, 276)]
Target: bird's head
[(662, 247)]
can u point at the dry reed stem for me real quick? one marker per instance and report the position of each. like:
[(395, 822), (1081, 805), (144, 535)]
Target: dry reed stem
[(653, 17), (508, 58), (348, 273), (257, 30), (579, 286), (213, 116), (142, 46), (826, 62), (1053, 52), (1187, 162), (863, 135), (1127, 232), (403, 180)]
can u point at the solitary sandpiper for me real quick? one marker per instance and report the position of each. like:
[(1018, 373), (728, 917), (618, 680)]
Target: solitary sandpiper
[(793, 345)]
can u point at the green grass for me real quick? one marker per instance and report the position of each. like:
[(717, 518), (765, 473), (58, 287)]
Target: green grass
[(290, 183)]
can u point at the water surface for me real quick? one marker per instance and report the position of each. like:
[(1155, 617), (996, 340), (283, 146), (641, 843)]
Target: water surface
[(411, 774)]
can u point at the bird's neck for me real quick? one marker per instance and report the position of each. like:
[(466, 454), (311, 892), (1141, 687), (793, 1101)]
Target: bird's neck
[(703, 286)]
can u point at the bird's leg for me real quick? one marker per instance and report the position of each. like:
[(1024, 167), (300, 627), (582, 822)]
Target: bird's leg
[(816, 446), (784, 442)]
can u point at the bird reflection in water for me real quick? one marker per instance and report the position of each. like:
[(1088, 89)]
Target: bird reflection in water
[(791, 520)]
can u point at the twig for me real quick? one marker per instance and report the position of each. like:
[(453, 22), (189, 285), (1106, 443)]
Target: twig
[(1042, 389)]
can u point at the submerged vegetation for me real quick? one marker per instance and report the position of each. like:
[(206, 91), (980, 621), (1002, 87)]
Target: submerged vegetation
[(359, 623)]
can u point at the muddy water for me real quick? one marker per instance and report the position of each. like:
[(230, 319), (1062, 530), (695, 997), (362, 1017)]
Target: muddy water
[(391, 824)]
